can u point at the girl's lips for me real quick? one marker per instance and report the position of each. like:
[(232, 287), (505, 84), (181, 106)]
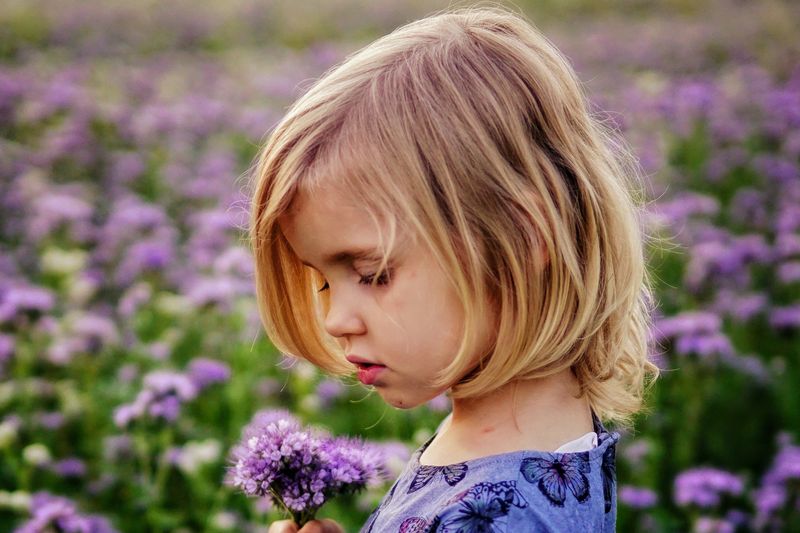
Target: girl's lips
[(368, 373)]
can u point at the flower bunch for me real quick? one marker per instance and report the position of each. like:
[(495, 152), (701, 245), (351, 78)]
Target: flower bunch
[(161, 398), (300, 469)]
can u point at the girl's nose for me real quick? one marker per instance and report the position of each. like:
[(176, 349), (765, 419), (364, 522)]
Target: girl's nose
[(344, 317)]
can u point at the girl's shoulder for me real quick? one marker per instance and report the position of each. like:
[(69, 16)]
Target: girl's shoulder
[(555, 491)]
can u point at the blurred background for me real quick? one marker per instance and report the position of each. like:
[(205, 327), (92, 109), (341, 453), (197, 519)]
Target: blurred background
[(131, 353)]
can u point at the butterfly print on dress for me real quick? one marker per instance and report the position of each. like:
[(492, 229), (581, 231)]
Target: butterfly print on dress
[(483, 507), (414, 524), (452, 475), (558, 473)]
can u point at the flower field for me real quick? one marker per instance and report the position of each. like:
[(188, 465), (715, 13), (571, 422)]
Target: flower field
[(131, 353)]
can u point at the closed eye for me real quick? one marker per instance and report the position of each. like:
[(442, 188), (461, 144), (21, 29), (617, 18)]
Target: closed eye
[(367, 279)]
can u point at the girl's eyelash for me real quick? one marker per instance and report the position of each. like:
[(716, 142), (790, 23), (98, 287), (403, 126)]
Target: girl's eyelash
[(365, 280)]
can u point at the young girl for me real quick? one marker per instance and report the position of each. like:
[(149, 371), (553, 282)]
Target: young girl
[(441, 212)]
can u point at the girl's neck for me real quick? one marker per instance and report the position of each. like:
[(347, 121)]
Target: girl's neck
[(540, 414)]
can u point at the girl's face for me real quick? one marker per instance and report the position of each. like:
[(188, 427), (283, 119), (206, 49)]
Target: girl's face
[(408, 326)]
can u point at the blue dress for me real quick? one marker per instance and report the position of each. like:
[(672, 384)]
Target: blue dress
[(513, 492)]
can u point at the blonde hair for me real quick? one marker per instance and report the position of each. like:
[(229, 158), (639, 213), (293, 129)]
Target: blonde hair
[(471, 130)]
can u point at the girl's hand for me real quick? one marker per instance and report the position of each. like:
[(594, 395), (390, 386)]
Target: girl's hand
[(325, 525)]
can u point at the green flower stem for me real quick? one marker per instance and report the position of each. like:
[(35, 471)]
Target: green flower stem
[(143, 455), (166, 438), (299, 518)]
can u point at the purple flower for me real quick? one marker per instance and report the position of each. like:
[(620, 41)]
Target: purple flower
[(329, 390), (777, 169), (161, 398), (6, 347), (62, 349), (96, 330), (56, 208), (144, 256), (50, 419), (300, 469), (686, 323), (789, 272), (785, 317), (707, 524), (24, 299), (134, 298), (236, 260), (636, 452), (395, 456), (439, 404), (704, 345), (125, 167), (263, 418), (703, 486), (738, 305), (204, 372), (213, 291), (70, 467), (637, 497), (61, 514)]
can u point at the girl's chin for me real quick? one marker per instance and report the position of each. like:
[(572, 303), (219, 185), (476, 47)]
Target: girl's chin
[(402, 402), (398, 400)]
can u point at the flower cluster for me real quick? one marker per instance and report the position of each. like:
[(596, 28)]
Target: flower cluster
[(300, 469), (704, 486), (56, 513), (162, 396), (780, 487)]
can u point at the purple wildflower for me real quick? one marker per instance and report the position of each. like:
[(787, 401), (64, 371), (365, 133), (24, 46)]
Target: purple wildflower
[(439, 404), (637, 497), (785, 317), (688, 322), (61, 514), (62, 350), (134, 298), (161, 398), (707, 524), (50, 419), (263, 418), (328, 390), (55, 209), (703, 486), (213, 291), (204, 372), (69, 467), (236, 261), (636, 452), (96, 331), (787, 245), (789, 272), (740, 306), (145, 256), (125, 167), (395, 456), (777, 491), (300, 470), (704, 345), (24, 299)]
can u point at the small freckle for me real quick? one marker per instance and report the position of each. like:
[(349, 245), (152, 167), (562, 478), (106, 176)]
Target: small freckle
[(487, 429)]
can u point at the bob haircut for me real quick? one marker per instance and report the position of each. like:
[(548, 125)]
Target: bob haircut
[(470, 129)]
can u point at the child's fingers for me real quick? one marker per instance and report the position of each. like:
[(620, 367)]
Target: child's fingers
[(325, 525), (283, 526)]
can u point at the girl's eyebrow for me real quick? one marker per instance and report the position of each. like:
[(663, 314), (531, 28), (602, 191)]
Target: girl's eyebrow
[(348, 256)]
